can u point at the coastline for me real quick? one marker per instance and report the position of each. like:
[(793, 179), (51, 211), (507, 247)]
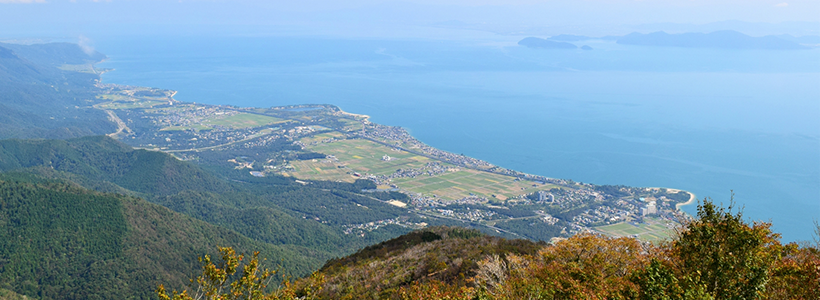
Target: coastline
[(692, 196), (365, 117), (691, 200)]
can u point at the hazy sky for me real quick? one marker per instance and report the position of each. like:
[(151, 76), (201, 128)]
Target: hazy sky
[(74, 17)]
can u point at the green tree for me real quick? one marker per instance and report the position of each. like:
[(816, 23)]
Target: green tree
[(724, 254)]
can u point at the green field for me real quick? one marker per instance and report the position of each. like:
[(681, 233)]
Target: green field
[(365, 157), (243, 120), (463, 182), (320, 170), (653, 230)]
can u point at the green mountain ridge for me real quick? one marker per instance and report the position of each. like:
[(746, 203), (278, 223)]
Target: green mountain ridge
[(204, 207), (60, 241)]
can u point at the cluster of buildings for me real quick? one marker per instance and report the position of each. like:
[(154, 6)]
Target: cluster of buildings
[(468, 214), (429, 169), (421, 201), (361, 229), (601, 215)]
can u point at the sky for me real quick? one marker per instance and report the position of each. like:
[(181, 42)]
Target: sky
[(397, 18)]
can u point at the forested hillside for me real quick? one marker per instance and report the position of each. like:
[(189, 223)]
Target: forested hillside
[(60, 241), (41, 98), (67, 239), (278, 211)]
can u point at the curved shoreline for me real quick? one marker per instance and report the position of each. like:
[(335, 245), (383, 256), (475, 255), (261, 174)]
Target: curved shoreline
[(691, 200)]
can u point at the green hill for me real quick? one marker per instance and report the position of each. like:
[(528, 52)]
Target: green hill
[(277, 216), (59, 241), (100, 158), (273, 211)]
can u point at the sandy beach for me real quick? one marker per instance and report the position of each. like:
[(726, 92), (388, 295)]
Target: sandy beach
[(688, 202), (691, 200)]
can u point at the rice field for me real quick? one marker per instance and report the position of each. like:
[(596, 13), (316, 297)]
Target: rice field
[(368, 158)]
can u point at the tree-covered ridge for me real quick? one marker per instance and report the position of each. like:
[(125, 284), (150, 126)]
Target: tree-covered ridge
[(40, 100), (300, 223), (60, 241), (270, 209), (101, 158)]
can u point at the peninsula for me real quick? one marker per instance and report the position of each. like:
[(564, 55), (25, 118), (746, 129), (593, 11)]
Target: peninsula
[(313, 143)]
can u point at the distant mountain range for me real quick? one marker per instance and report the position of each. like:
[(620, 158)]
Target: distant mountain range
[(724, 39), (40, 99)]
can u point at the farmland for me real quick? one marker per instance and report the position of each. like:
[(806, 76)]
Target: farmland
[(651, 230), (403, 170)]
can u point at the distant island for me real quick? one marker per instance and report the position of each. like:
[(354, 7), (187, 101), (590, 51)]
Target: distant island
[(725, 39), (534, 42)]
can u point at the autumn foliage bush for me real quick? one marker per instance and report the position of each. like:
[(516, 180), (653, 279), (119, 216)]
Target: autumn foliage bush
[(717, 255)]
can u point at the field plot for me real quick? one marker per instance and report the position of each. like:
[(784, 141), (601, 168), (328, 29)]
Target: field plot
[(351, 125), (462, 183), (120, 101), (368, 157), (243, 120), (320, 169), (653, 230), (315, 139)]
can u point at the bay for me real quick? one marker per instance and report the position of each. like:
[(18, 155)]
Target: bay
[(707, 121)]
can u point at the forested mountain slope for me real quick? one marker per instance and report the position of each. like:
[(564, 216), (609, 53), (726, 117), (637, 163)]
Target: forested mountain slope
[(129, 240), (60, 241), (278, 211), (40, 100)]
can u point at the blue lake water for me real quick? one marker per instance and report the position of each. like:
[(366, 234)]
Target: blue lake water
[(707, 121)]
